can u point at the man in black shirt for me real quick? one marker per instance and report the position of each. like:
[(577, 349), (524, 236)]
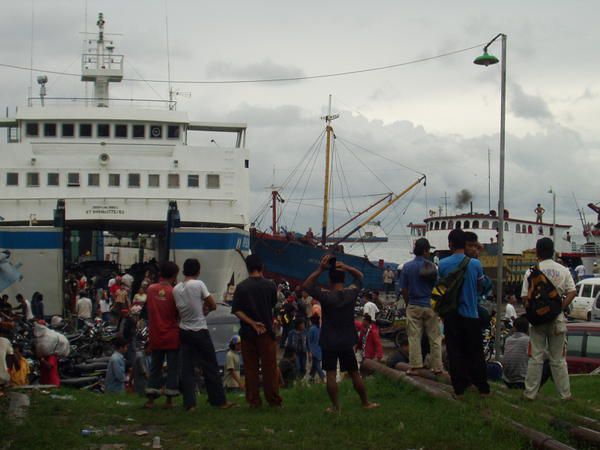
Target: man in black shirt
[(338, 334), (253, 303)]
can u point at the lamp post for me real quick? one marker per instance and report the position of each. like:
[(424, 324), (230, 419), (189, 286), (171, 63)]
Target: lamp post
[(486, 60)]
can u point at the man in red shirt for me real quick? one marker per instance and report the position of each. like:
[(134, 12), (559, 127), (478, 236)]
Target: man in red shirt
[(369, 340), (163, 335)]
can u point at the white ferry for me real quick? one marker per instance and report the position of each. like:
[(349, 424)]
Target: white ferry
[(72, 169)]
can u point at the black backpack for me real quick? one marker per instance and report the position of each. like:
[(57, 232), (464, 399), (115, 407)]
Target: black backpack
[(543, 303), (446, 293)]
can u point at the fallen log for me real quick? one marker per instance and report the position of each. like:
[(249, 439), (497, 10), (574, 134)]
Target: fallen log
[(425, 373), (538, 439), (397, 375)]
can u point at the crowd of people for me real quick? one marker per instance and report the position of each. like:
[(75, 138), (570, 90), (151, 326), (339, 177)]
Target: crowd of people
[(316, 328)]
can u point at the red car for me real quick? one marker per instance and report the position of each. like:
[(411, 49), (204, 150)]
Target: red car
[(583, 348)]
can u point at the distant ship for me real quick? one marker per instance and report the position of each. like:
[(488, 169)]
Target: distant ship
[(293, 257), (371, 232)]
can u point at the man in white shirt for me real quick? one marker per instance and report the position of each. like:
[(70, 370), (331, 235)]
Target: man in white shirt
[(510, 313), (370, 308), (580, 272), (5, 350), (194, 303), (83, 308), (549, 337), (25, 306)]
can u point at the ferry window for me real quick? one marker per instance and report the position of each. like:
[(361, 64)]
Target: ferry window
[(476, 224), (53, 179), (32, 129), (12, 179), (173, 180), (68, 130), (103, 130), (541, 230), (495, 225), (50, 130), (139, 131), (551, 231), (133, 180), (93, 179), (458, 224), (193, 181), (485, 225), (120, 130), (173, 132), (529, 229), (156, 131), (33, 179), (517, 228), (443, 225), (213, 181), (85, 130), (73, 179), (450, 224), (431, 225), (506, 226), (437, 225), (114, 179), (467, 225), (153, 180)]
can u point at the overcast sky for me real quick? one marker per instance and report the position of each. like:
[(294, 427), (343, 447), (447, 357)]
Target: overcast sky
[(438, 117)]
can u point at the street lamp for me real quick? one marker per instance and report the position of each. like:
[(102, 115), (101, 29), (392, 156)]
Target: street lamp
[(485, 60)]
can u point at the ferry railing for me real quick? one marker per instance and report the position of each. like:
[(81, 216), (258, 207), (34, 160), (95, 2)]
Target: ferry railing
[(92, 102)]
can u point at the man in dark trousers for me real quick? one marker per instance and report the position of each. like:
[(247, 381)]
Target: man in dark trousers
[(338, 333), (462, 327), (253, 303), (194, 303)]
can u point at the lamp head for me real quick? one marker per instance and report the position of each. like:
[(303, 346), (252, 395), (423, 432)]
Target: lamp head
[(486, 59)]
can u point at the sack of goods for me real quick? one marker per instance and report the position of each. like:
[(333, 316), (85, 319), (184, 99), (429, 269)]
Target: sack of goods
[(543, 304), (49, 342)]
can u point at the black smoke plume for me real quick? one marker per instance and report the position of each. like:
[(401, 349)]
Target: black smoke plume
[(463, 197)]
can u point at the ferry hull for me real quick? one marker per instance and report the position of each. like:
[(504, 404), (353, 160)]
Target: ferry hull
[(294, 262)]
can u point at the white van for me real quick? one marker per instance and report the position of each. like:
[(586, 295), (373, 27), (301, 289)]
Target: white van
[(587, 291)]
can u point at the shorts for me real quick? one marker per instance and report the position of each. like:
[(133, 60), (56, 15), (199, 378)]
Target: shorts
[(346, 358)]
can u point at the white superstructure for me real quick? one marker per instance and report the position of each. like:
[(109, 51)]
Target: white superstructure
[(105, 164)]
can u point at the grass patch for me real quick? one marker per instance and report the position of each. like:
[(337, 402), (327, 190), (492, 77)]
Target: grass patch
[(407, 419)]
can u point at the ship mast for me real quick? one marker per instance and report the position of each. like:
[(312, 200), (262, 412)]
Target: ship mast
[(328, 118), (101, 66)]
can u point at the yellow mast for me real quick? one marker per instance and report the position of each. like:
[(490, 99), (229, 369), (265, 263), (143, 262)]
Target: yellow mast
[(328, 118)]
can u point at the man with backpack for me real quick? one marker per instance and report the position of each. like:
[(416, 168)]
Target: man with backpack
[(548, 289), (462, 330)]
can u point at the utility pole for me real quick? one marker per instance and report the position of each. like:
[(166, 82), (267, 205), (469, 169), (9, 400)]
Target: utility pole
[(489, 182)]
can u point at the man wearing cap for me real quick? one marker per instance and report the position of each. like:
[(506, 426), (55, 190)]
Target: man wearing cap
[(417, 281)]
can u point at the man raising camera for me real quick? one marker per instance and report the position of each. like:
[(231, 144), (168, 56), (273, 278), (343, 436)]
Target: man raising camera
[(338, 334)]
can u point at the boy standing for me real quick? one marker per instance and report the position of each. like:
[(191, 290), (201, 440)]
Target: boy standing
[(232, 379), (114, 382), (314, 348), (338, 335), (297, 340)]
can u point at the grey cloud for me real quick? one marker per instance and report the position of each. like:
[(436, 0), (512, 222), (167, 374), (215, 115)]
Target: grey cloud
[(260, 116), (527, 106), (261, 70)]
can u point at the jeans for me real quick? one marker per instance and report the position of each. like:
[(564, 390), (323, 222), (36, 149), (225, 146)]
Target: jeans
[(316, 368), (261, 352), (466, 362), (197, 349), (156, 377), (301, 364)]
